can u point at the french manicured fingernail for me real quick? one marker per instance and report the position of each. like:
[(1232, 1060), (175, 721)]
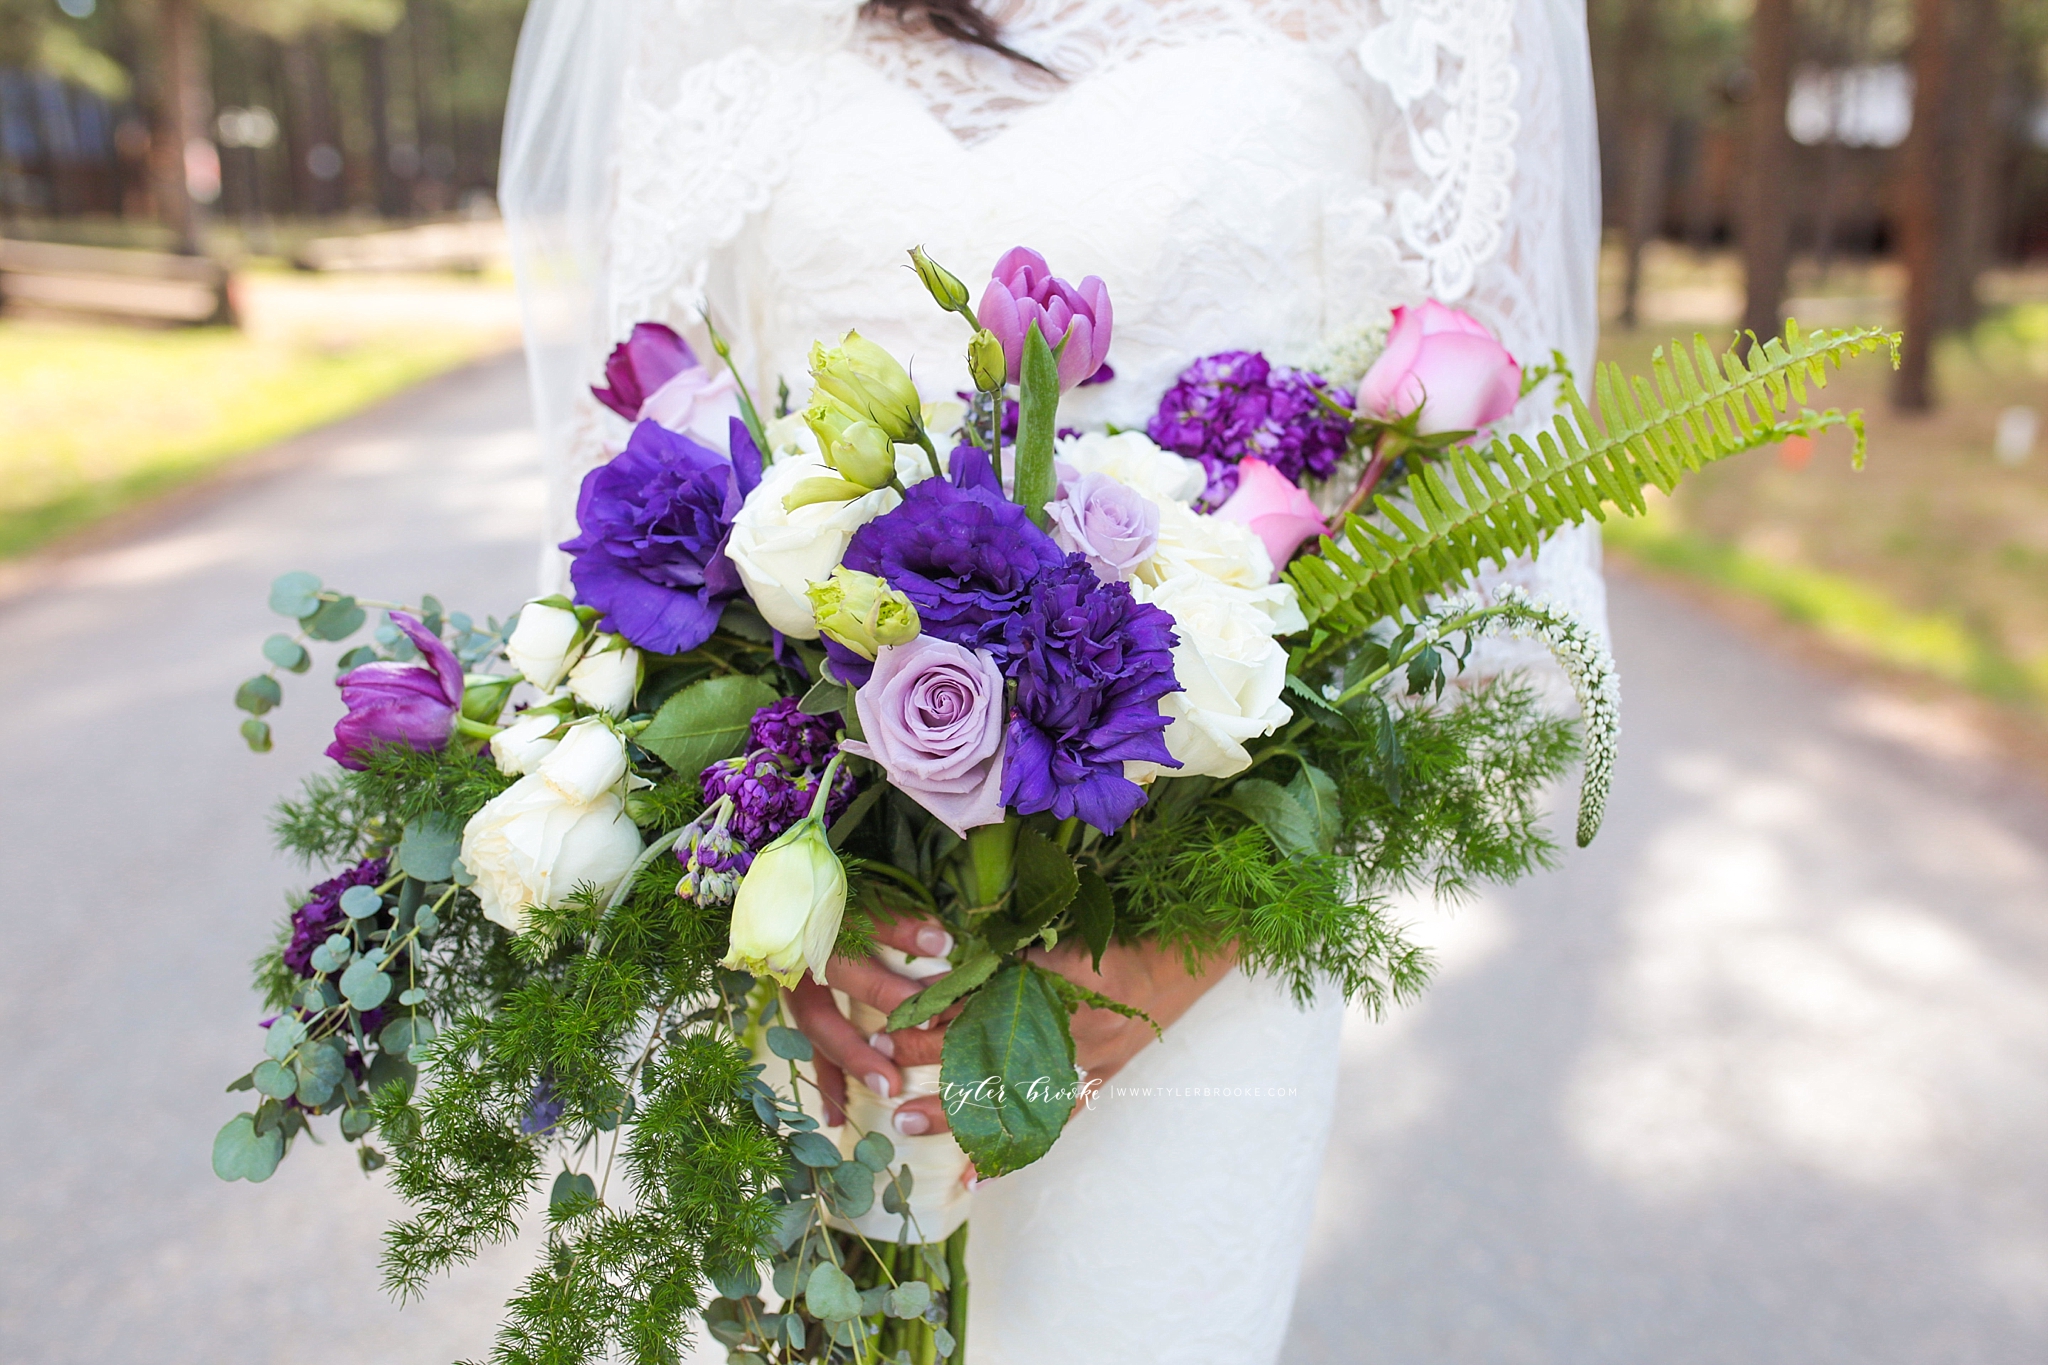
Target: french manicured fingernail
[(878, 1083), (934, 942), (884, 1044), (970, 1180), (910, 1123)]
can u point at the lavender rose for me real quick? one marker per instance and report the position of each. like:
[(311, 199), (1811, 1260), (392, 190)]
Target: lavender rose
[(1446, 364), (399, 703), (654, 524), (1113, 524), (933, 713), (1025, 291)]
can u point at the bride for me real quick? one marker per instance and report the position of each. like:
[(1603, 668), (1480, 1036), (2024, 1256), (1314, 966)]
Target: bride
[(1248, 174)]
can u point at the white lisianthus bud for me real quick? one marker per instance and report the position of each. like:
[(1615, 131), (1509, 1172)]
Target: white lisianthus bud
[(545, 643), (786, 915), (520, 746), (948, 290), (589, 761), (607, 677), (986, 363), (528, 846)]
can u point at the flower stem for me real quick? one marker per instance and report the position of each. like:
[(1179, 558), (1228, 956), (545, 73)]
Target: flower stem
[(1383, 453)]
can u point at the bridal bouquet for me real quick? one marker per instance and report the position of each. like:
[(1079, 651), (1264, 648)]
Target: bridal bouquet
[(885, 656)]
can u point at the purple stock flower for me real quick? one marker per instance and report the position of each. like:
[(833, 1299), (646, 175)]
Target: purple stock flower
[(962, 553), (543, 1111), (639, 365), (1025, 291), (654, 523), (769, 794), (1236, 405), (806, 741), (1091, 664), (321, 915), (413, 703)]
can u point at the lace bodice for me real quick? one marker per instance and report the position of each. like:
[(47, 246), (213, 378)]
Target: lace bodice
[(1256, 174)]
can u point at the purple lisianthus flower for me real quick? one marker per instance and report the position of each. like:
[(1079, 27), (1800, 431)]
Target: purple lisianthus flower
[(1025, 291), (654, 523), (1113, 524), (1237, 405), (388, 702), (639, 365), (1091, 663), (933, 715), (961, 552), (321, 915)]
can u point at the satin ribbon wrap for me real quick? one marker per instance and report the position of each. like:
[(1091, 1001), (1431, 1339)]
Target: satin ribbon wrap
[(939, 1198)]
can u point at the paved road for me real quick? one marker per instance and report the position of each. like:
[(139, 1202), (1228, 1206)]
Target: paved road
[(1758, 1079)]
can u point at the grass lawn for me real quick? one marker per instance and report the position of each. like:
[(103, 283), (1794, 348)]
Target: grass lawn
[(1933, 559), (94, 417)]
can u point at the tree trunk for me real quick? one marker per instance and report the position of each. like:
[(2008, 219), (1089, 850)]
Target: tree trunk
[(377, 94), (1650, 145), (184, 110), (1766, 187), (1972, 158), (1920, 206)]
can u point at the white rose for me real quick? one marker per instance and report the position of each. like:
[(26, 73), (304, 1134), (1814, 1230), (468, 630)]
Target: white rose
[(1231, 672), (1190, 543), (791, 435), (529, 847), (1133, 459), (607, 677), (544, 644), (589, 761), (780, 553), (520, 746)]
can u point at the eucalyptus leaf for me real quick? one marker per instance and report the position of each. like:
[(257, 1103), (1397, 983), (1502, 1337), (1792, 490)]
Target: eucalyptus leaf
[(788, 1044), (356, 1121), (275, 1079), (943, 1340), (705, 722), (790, 1226), (287, 653), (241, 1153), (813, 1149), (1008, 1069), (742, 1283), (572, 1187), (428, 847), (977, 964), (910, 1299), (284, 1034), (256, 734), (259, 694), (875, 1152), (411, 995), (295, 595), (387, 1068), (853, 1189), (334, 619), (363, 985), (830, 1295), (246, 1081), (361, 902), (396, 1036), (326, 958), (320, 1069)]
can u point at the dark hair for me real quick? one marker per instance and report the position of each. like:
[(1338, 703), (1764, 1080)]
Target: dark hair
[(956, 19)]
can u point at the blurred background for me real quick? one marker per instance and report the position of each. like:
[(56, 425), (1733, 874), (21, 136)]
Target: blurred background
[(1762, 1076)]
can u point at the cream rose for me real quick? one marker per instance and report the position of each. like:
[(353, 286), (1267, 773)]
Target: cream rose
[(1231, 672), (1136, 461), (1191, 544), (780, 553), (520, 746), (607, 677), (529, 846), (545, 643), (589, 761)]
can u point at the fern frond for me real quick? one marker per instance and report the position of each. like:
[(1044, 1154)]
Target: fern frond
[(1498, 501)]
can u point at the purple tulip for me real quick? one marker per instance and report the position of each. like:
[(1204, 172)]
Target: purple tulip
[(399, 703), (639, 365), (1025, 291)]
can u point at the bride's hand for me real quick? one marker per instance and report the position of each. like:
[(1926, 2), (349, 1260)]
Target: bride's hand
[(1151, 978), (843, 1050)]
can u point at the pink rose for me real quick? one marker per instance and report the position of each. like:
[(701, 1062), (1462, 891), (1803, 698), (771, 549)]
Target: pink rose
[(1441, 361), (1277, 512)]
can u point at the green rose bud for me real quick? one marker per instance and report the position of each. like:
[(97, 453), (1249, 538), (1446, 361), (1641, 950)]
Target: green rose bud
[(986, 363), (863, 454), (946, 287), (863, 612), (871, 384)]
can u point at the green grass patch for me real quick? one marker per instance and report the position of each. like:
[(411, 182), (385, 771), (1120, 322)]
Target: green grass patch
[(1849, 614), (95, 418)]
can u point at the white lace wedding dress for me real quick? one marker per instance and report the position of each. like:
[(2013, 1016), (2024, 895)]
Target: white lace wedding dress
[(1246, 174)]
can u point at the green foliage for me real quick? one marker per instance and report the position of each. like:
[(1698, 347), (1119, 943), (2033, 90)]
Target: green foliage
[(1008, 1069), (1499, 501)]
